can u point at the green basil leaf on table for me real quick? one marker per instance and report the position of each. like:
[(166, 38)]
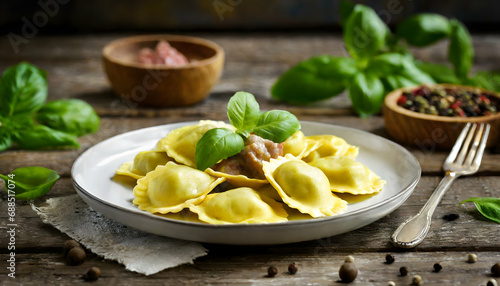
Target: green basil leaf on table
[(460, 50), (30, 182), (413, 73), (5, 139), (72, 116), (365, 34), (338, 68), (215, 145), (41, 136), (486, 79), (243, 112), (277, 125), (367, 93), (423, 29), (392, 82), (398, 64), (387, 64), (23, 89), (312, 80), (439, 72), (488, 207), (19, 122)]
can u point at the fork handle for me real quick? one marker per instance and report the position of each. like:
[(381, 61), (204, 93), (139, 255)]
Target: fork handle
[(413, 231)]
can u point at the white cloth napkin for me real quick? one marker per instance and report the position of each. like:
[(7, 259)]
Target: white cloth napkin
[(139, 251)]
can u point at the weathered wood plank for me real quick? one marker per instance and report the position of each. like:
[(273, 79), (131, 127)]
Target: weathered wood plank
[(230, 267), (253, 63), (374, 237)]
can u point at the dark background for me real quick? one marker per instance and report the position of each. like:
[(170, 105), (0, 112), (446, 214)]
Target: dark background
[(102, 16)]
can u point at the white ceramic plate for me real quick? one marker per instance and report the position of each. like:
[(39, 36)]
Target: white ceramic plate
[(92, 176)]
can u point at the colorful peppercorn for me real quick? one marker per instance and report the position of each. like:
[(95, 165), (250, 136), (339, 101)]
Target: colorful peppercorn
[(76, 256), (348, 272), (403, 271), (451, 217), (389, 259), (272, 271), (449, 101), (92, 274), (471, 258), (417, 280), (437, 267), (292, 268), (495, 270)]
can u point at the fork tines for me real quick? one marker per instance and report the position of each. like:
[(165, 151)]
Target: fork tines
[(463, 153)]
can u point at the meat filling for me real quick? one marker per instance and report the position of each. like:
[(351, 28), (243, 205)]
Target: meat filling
[(249, 161)]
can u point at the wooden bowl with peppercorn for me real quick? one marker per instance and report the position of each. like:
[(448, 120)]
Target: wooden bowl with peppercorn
[(162, 70), (432, 116)]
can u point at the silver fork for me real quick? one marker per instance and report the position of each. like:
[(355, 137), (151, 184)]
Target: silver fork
[(462, 160)]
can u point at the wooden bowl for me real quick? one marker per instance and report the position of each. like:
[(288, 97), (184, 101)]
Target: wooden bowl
[(160, 85), (430, 132)]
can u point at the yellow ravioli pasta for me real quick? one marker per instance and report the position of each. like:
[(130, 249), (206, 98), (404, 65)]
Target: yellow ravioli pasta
[(241, 205), (143, 163), (299, 146), (331, 145), (173, 187), (238, 180), (349, 176), (303, 187), (180, 144)]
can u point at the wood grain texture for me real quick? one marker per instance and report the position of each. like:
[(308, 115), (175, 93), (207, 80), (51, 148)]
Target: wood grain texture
[(254, 62)]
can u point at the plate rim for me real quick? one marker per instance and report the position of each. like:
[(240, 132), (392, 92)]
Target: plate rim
[(407, 190)]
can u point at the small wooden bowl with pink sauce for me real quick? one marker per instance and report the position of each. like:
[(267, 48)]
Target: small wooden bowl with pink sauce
[(429, 132), (162, 85)]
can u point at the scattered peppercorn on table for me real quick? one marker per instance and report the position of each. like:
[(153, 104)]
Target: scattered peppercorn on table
[(461, 248)]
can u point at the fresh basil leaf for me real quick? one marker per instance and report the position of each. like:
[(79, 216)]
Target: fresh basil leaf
[(40, 136), (460, 50), (345, 8), (366, 93), (488, 207), (423, 29), (440, 73), (392, 82), (365, 34), (23, 89), (391, 64), (30, 182), (277, 125), (73, 116), (387, 64), (314, 79), (243, 112), (5, 139), (486, 79), (19, 122), (215, 145)]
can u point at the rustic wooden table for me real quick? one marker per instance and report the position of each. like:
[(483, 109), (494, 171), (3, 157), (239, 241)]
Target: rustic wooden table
[(253, 62)]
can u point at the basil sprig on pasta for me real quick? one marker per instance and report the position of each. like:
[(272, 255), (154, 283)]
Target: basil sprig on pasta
[(244, 113)]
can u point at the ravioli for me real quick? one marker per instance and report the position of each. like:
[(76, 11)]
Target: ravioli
[(299, 146), (238, 180), (349, 176), (331, 145), (180, 144), (303, 187), (173, 187), (143, 163), (240, 205), (269, 191)]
